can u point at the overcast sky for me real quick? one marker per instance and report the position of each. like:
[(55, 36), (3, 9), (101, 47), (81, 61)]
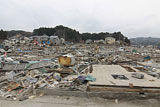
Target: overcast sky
[(134, 18)]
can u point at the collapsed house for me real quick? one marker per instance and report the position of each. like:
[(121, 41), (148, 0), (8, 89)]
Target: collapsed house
[(44, 39)]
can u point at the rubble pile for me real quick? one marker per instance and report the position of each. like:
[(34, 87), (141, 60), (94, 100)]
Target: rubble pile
[(15, 84), (30, 66)]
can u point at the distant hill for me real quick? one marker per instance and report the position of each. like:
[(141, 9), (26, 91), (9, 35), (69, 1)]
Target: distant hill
[(72, 35), (67, 33), (18, 32), (145, 41)]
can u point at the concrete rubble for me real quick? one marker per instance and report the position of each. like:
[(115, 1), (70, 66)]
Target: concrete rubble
[(28, 66)]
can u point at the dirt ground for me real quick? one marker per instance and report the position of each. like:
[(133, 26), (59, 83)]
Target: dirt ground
[(57, 101)]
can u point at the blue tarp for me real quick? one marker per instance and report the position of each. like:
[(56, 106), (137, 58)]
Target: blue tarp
[(19, 50), (48, 42)]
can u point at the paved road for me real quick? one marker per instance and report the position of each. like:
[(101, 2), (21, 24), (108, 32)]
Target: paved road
[(52, 101)]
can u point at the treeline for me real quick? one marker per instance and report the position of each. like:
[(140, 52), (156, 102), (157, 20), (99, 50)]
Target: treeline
[(7, 34), (18, 32), (62, 32), (74, 36), (3, 35)]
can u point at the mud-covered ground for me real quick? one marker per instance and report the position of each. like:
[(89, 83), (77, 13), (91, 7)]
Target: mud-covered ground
[(57, 101)]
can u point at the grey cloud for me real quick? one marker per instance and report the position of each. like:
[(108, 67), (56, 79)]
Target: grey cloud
[(133, 18)]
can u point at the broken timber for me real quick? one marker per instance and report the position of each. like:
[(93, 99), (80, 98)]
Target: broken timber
[(23, 66)]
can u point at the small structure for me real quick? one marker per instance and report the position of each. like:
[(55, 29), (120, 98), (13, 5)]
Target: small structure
[(62, 40), (66, 60), (44, 39), (54, 40), (149, 46), (88, 41), (36, 39), (99, 41), (7, 43), (110, 40), (26, 39), (41, 39), (121, 49), (14, 41)]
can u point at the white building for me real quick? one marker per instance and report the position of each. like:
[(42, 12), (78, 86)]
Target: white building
[(41, 39), (47, 39), (44, 38), (110, 40), (88, 41), (99, 41)]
